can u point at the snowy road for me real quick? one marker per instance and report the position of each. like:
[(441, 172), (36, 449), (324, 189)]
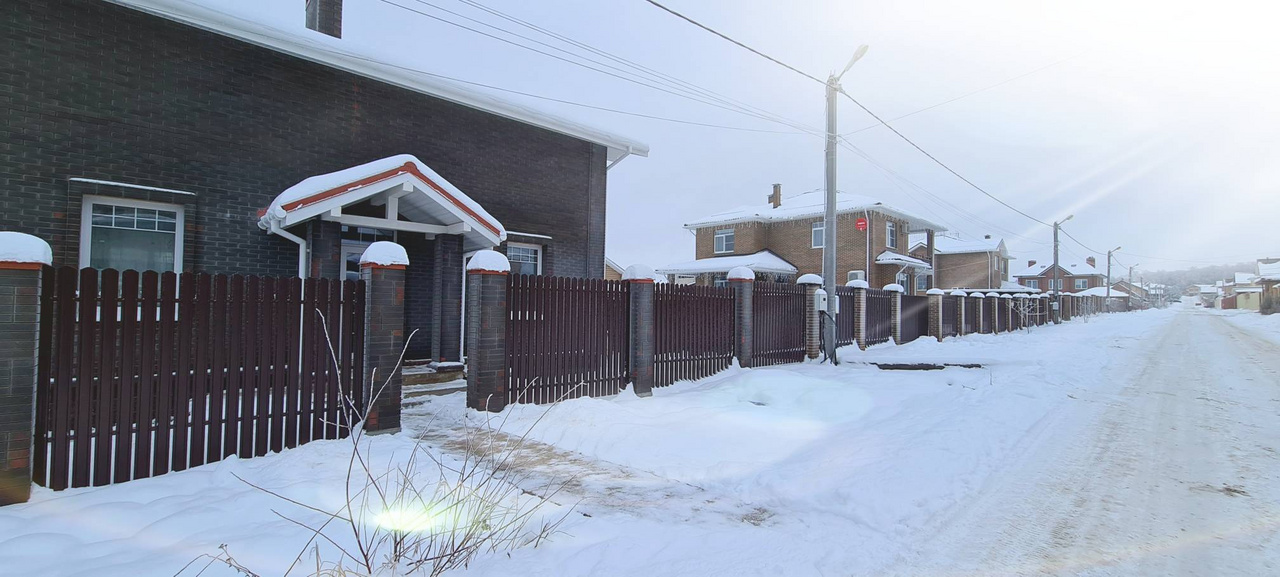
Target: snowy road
[(1176, 474)]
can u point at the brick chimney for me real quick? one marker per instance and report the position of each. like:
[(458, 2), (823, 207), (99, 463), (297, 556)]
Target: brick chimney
[(1031, 263), (1092, 261), (325, 17), (776, 198)]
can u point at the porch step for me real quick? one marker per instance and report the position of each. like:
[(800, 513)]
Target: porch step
[(414, 395), (431, 372)]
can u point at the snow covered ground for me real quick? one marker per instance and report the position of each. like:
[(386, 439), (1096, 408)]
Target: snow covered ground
[(1263, 326), (801, 469)]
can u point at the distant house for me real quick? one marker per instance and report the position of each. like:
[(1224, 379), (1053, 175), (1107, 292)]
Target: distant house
[(1071, 275), (1137, 290), (965, 263), (612, 271), (1269, 280), (786, 237)]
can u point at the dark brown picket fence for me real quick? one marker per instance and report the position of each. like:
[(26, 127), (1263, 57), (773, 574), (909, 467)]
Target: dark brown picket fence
[(879, 316), (846, 319), (972, 308), (777, 324), (950, 315), (567, 338), (1006, 315), (145, 373), (915, 317), (693, 332)]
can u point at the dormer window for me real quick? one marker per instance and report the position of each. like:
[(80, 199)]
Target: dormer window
[(724, 241)]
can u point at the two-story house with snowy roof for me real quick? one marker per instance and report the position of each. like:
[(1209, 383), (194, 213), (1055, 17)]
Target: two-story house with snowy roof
[(1072, 275), (783, 238), (166, 135), (964, 263)]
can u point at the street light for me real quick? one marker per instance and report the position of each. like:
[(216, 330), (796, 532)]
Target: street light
[(1116, 249), (1057, 274)]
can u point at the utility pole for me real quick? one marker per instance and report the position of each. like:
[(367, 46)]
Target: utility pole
[(1057, 273), (1116, 249), (829, 215)]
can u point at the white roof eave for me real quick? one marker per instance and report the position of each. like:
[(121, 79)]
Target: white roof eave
[(317, 50)]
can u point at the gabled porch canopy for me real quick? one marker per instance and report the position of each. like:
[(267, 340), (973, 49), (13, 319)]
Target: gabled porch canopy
[(411, 196)]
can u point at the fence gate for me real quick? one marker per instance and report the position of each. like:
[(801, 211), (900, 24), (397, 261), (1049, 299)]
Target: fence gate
[(777, 323), (845, 319), (567, 338), (140, 374), (693, 332), (972, 308), (950, 304), (879, 316), (915, 317)]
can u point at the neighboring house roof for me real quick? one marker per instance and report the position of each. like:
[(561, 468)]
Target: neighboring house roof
[(1013, 287), (890, 257), (1245, 277), (1252, 289), (809, 205), (953, 245), (1269, 271), (613, 265), (1101, 291), (763, 261), (334, 53), (1072, 267)]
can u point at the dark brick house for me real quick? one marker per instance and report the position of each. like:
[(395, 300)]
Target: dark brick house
[(1073, 275), (154, 134)]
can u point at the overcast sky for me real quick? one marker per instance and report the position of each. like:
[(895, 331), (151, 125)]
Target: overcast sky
[(1156, 124)]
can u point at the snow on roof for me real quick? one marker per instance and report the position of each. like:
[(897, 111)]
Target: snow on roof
[(890, 257), (376, 176), (761, 262), (1245, 277), (24, 248), (1072, 267), (808, 205), (334, 53), (955, 245), (613, 265), (1101, 291), (1250, 289), (1269, 271), (1013, 287)]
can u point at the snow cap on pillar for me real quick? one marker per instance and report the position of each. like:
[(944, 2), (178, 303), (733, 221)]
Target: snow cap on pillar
[(1005, 296), (638, 273), (993, 295), (978, 295), (959, 293), (21, 248), (857, 283), (489, 261), (935, 292), (741, 273), (384, 253), (894, 287), (809, 279)]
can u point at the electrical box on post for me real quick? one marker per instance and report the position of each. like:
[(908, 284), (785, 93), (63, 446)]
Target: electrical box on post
[(820, 300)]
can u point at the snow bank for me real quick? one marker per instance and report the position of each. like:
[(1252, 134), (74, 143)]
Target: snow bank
[(20, 247), (809, 279), (385, 253), (489, 261), (741, 273)]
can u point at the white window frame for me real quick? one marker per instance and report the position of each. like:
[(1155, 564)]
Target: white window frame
[(718, 245), (536, 247), (86, 224), (922, 277), (891, 234), (817, 234), (1033, 283), (1081, 280)]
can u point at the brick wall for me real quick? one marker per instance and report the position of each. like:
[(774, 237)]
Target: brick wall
[(967, 270), (91, 89), (1068, 282)]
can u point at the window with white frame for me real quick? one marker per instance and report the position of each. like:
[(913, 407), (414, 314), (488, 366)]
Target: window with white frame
[(525, 258), (1033, 283), (130, 235), (891, 234), (1082, 283), (724, 240), (922, 283), (816, 234)]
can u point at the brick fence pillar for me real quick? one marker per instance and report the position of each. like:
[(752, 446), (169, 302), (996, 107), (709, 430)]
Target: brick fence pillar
[(895, 310), (742, 280), (382, 266), (643, 344), (935, 312), (1006, 308), (19, 335), (859, 310), (812, 319), (487, 316), (993, 303), (960, 312)]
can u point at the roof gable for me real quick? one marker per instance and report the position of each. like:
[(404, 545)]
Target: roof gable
[(809, 205)]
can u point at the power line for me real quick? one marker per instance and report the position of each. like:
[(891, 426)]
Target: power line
[(739, 44)]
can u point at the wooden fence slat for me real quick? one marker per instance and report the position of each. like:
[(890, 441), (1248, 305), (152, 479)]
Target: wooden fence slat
[(219, 374), (252, 351), (265, 357), (87, 332), (125, 410), (331, 385), (183, 392), (168, 343), (104, 385), (148, 320), (200, 369), (359, 390), (318, 378), (63, 417), (44, 378), (237, 365), (306, 382)]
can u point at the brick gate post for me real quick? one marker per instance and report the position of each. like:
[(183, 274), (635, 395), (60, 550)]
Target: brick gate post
[(20, 275), (742, 280), (643, 344), (859, 312), (487, 317), (895, 310), (812, 320), (993, 301), (960, 312), (382, 267), (935, 312)]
